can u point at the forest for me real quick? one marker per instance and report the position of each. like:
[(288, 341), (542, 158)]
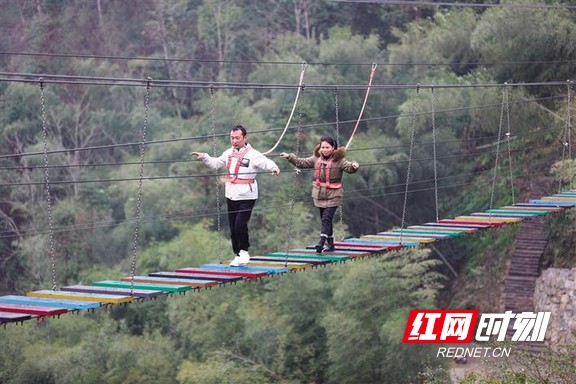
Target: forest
[(102, 101)]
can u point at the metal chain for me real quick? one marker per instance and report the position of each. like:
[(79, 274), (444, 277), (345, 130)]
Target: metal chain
[(294, 178), (504, 98), (508, 137), (566, 142), (414, 109), (139, 194), (52, 251), (569, 129), (433, 101), (218, 204), (340, 208)]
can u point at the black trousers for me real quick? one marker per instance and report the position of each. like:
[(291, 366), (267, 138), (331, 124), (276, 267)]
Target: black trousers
[(239, 212), (326, 216)]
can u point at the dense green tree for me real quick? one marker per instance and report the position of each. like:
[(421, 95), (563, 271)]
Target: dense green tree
[(369, 311), (326, 325), (503, 35)]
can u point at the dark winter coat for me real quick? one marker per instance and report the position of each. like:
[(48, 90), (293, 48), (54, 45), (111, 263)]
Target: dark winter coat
[(326, 197)]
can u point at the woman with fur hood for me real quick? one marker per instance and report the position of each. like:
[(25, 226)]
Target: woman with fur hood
[(329, 164)]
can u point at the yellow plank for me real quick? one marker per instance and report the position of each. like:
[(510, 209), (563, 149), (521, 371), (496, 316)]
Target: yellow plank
[(559, 198), (258, 263), (100, 298), (532, 208), (397, 238), (490, 219)]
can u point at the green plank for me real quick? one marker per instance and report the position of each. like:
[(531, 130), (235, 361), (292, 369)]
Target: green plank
[(309, 255), (517, 211), (156, 287)]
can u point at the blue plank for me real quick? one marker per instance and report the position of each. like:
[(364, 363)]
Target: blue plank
[(58, 303), (223, 267), (553, 203)]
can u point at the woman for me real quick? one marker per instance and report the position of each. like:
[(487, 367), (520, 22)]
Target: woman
[(329, 164)]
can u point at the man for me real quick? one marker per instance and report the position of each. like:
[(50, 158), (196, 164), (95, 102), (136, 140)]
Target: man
[(241, 189)]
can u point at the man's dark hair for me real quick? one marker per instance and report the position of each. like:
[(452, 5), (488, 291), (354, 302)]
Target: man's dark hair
[(239, 128)]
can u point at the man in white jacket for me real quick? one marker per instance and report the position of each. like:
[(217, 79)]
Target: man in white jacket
[(241, 189)]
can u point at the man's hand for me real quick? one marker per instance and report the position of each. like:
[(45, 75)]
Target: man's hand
[(198, 155)]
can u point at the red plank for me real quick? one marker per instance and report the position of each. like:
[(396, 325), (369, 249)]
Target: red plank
[(223, 272), (32, 309), (491, 223)]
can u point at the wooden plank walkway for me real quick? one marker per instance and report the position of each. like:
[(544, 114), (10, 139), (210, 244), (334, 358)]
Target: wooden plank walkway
[(518, 289)]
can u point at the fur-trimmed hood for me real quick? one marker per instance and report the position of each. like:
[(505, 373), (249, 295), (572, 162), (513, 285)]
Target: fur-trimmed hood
[(338, 154)]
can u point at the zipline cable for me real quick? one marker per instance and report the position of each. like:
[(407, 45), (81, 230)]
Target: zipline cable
[(363, 105), (300, 86)]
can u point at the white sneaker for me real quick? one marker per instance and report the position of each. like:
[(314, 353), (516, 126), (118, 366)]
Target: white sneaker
[(235, 262), (244, 257)]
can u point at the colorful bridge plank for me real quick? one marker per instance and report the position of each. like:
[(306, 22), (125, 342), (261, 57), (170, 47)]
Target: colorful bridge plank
[(554, 202), (351, 254), (170, 288), (298, 254), (482, 224), (57, 303), (390, 245), (194, 283), (32, 309), (249, 274), (489, 219), (560, 197), (198, 276), (10, 317), (428, 232), (91, 289), (401, 239), (63, 295), (417, 234), (460, 224), (521, 216), (531, 208), (372, 248), (223, 268), (517, 212), (286, 258), (277, 264), (439, 228)]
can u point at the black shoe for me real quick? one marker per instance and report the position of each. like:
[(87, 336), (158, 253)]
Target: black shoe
[(320, 244), (329, 247)]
